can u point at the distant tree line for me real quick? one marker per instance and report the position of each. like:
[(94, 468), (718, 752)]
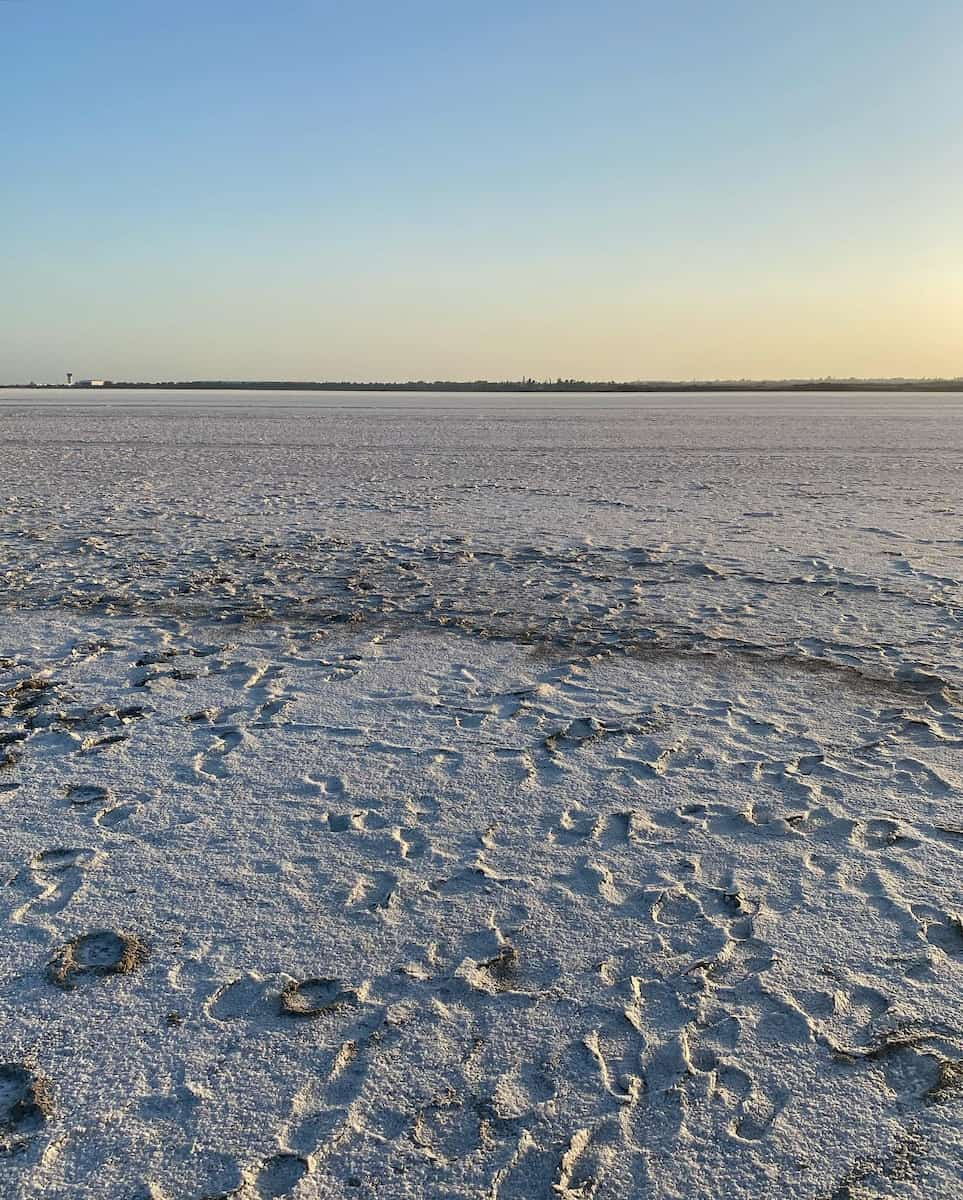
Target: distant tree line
[(533, 385)]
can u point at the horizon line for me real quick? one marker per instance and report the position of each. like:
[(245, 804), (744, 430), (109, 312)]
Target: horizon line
[(525, 384)]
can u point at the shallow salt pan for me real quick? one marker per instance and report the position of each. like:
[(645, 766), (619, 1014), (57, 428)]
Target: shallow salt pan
[(491, 816)]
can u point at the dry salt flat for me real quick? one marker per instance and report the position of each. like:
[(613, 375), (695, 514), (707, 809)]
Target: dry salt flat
[(481, 796)]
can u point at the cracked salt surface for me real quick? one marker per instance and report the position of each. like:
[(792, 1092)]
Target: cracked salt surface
[(481, 797)]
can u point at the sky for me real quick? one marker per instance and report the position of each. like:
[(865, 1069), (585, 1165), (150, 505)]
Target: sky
[(407, 190)]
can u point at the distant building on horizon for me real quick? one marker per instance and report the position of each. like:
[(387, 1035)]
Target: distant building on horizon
[(90, 382)]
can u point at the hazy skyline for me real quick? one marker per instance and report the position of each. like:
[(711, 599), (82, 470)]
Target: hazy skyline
[(437, 191)]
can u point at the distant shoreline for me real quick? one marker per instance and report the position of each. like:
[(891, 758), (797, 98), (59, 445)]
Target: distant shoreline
[(521, 386)]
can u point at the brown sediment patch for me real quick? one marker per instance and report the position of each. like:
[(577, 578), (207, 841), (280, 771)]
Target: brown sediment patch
[(312, 997), (25, 1103), (98, 953)]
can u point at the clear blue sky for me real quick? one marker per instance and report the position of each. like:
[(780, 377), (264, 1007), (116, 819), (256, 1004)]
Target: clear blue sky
[(396, 190)]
